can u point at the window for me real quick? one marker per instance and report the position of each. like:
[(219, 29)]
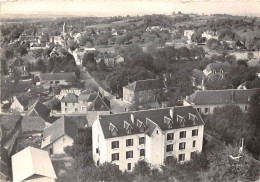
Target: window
[(142, 152), (181, 157), (97, 150), (51, 82), (246, 108), (192, 155), (76, 110), (194, 143), (115, 157), (182, 146), (140, 99), (66, 104), (141, 140), (169, 148), (195, 132), (128, 166), (206, 110), (84, 108), (129, 154), (66, 109), (199, 109), (170, 136), (115, 144), (129, 142), (73, 104), (183, 134)]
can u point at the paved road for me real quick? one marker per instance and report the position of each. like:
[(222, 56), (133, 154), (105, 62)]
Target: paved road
[(117, 106)]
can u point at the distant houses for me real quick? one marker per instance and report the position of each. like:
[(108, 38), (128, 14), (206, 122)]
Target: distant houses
[(143, 91), (110, 59), (59, 135), (57, 79), (206, 101), (18, 65), (32, 165), (85, 101)]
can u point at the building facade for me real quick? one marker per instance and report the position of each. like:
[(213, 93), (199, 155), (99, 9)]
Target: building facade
[(143, 91), (56, 79), (206, 101), (150, 135)]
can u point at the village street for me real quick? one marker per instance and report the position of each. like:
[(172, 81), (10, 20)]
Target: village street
[(117, 105)]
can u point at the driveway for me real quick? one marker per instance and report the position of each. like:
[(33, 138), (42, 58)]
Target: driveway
[(116, 105)]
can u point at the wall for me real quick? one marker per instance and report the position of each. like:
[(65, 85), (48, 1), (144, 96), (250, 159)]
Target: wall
[(62, 142), (17, 106)]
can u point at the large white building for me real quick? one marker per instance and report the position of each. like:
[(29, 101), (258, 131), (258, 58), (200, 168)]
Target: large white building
[(125, 138)]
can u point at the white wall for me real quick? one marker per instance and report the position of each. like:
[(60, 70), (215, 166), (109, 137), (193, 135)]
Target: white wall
[(59, 145)]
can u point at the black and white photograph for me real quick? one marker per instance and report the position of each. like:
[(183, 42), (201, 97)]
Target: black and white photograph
[(129, 91)]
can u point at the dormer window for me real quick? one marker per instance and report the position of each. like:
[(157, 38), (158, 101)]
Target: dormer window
[(214, 72), (222, 71), (181, 120), (113, 129), (128, 127), (169, 122), (249, 98), (193, 118), (140, 125)]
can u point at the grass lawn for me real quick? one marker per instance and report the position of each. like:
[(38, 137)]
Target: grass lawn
[(64, 171)]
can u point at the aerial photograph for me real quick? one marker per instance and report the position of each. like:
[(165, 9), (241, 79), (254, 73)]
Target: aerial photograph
[(129, 91)]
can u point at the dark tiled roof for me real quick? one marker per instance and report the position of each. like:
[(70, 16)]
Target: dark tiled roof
[(149, 84), (92, 96), (83, 96), (38, 109), (70, 97), (221, 96), (99, 104), (68, 76), (157, 120), (59, 128)]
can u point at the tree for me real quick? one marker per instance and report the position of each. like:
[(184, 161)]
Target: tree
[(223, 168), (170, 162), (20, 50), (41, 66), (101, 66), (142, 168), (213, 43), (200, 160)]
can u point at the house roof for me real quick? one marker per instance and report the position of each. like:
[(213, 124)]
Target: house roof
[(149, 84), (70, 97), (31, 161), (83, 96), (100, 103), (4, 160), (38, 109), (68, 76), (209, 97), (24, 99), (151, 119), (62, 126), (218, 66)]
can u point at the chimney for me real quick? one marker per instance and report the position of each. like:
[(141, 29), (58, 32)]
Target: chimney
[(132, 118), (171, 112)]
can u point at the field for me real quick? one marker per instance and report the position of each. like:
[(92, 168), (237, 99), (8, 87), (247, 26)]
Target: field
[(116, 23)]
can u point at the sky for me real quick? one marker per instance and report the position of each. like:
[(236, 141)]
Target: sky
[(131, 7)]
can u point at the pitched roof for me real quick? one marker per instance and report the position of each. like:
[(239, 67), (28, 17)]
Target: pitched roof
[(221, 96), (155, 117), (4, 160), (38, 109), (63, 126), (149, 84), (218, 66), (68, 76), (83, 96), (100, 103), (70, 97), (24, 99), (31, 161)]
